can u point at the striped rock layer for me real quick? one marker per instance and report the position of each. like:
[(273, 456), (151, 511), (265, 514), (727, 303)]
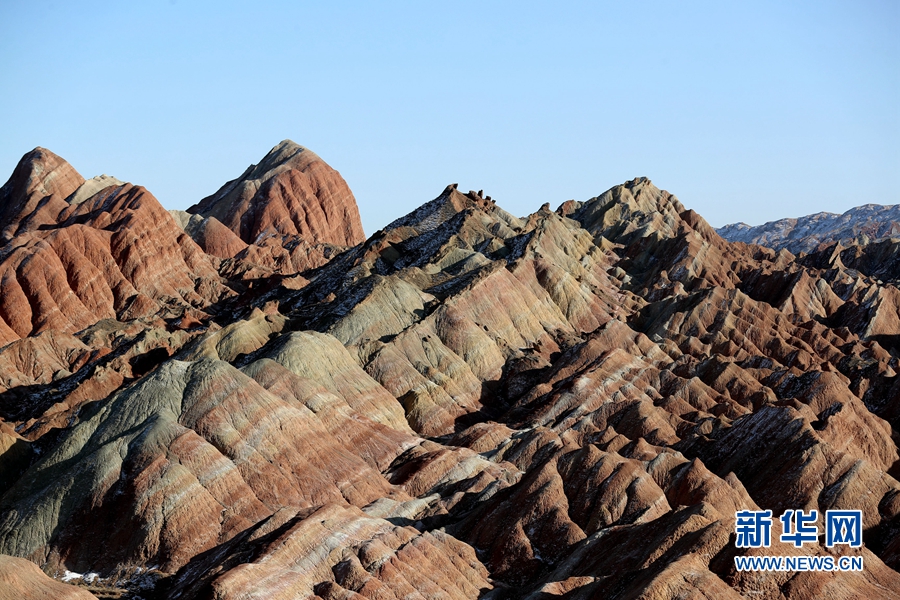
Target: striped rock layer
[(467, 404)]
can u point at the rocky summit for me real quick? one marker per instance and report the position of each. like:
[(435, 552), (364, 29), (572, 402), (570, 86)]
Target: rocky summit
[(250, 399), (290, 192)]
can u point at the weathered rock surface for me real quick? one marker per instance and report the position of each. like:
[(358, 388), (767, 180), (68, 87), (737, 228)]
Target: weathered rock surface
[(210, 234), (467, 404), (337, 552), (36, 193), (290, 192), (21, 579), (117, 254)]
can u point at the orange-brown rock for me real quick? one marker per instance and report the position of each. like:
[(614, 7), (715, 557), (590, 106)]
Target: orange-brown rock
[(290, 192), (338, 552), (21, 579), (36, 193), (116, 254), (210, 234)]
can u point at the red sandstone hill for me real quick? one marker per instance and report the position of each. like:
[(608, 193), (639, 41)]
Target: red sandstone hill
[(75, 252), (468, 404), (289, 213), (290, 192)]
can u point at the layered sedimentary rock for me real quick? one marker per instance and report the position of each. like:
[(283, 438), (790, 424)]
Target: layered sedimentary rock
[(210, 234), (99, 284), (468, 404), (115, 254), (36, 193), (288, 214), (23, 580), (290, 192)]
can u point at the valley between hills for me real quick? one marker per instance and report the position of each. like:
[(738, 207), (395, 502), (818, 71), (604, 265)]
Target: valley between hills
[(253, 399)]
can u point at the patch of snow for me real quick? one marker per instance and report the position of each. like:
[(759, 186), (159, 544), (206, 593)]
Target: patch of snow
[(805, 233)]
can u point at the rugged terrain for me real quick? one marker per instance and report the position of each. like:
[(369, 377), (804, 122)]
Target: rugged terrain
[(253, 400), (860, 225)]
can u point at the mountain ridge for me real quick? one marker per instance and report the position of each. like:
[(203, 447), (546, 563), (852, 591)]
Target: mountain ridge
[(864, 223), (466, 404)]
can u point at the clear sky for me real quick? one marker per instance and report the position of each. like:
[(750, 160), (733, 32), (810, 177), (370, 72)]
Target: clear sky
[(747, 111)]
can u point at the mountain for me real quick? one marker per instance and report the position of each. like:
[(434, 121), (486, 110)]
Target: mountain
[(861, 224), (289, 213), (290, 192), (76, 252), (35, 193), (467, 404)]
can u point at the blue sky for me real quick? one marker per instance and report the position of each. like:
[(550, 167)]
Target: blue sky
[(747, 111)]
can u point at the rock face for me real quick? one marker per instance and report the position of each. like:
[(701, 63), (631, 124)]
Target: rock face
[(114, 254), (861, 224), (210, 234), (36, 193), (23, 580), (468, 404), (290, 192)]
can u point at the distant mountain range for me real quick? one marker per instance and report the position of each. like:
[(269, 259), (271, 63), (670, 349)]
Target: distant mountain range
[(858, 225)]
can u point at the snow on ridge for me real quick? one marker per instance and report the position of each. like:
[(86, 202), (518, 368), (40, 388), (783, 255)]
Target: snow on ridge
[(804, 234)]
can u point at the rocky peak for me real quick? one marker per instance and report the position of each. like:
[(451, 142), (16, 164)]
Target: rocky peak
[(633, 210), (290, 192), (447, 205), (285, 155), (75, 252), (36, 192)]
